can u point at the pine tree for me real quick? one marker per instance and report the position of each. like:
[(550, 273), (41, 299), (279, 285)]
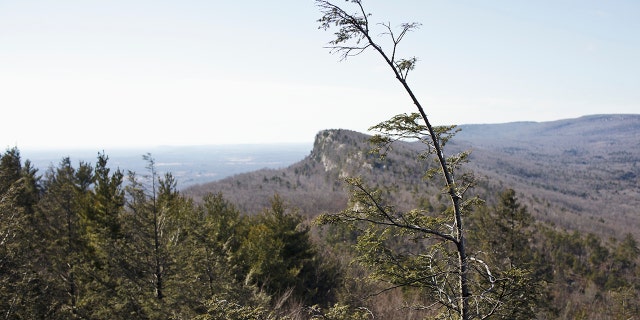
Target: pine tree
[(13, 237), (500, 236), (208, 264), (62, 214), (278, 253), (151, 236), (109, 197), (104, 206), (214, 236), (22, 289)]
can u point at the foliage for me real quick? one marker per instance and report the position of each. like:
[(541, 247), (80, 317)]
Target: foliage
[(281, 258), (500, 237), (220, 309), (20, 287), (341, 312)]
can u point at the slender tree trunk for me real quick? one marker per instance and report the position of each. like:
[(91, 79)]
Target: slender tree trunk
[(156, 244), (454, 195), (456, 199), (158, 260), (209, 271), (71, 282)]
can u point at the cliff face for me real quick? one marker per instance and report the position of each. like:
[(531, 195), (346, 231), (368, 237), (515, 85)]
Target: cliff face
[(316, 183)]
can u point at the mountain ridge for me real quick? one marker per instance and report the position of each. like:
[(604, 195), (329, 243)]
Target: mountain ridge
[(580, 173)]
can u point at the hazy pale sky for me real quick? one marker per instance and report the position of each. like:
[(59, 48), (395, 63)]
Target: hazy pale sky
[(96, 74)]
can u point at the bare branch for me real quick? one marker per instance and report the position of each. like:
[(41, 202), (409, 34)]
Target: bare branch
[(346, 51), (392, 221)]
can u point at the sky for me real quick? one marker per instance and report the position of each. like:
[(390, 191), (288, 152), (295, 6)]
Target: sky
[(134, 73)]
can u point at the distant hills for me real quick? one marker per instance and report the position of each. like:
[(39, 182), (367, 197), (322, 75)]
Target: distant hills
[(588, 167), (581, 174)]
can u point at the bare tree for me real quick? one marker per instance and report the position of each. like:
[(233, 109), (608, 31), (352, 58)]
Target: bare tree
[(462, 286)]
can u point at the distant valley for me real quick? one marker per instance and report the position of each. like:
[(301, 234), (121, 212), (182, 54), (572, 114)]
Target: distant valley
[(189, 164)]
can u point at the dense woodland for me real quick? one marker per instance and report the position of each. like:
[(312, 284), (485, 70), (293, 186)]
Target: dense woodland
[(87, 241)]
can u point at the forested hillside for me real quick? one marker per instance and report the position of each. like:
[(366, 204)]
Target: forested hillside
[(588, 167), (86, 241), (582, 174)]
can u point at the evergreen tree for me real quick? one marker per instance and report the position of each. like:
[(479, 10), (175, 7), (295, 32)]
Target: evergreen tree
[(623, 267), (63, 213), (151, 237), (22, 289), (14, 262), (279, 255), (109, 197), (208, 262), (500, 236), (10, 169), (104, 240), (215, 236)]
